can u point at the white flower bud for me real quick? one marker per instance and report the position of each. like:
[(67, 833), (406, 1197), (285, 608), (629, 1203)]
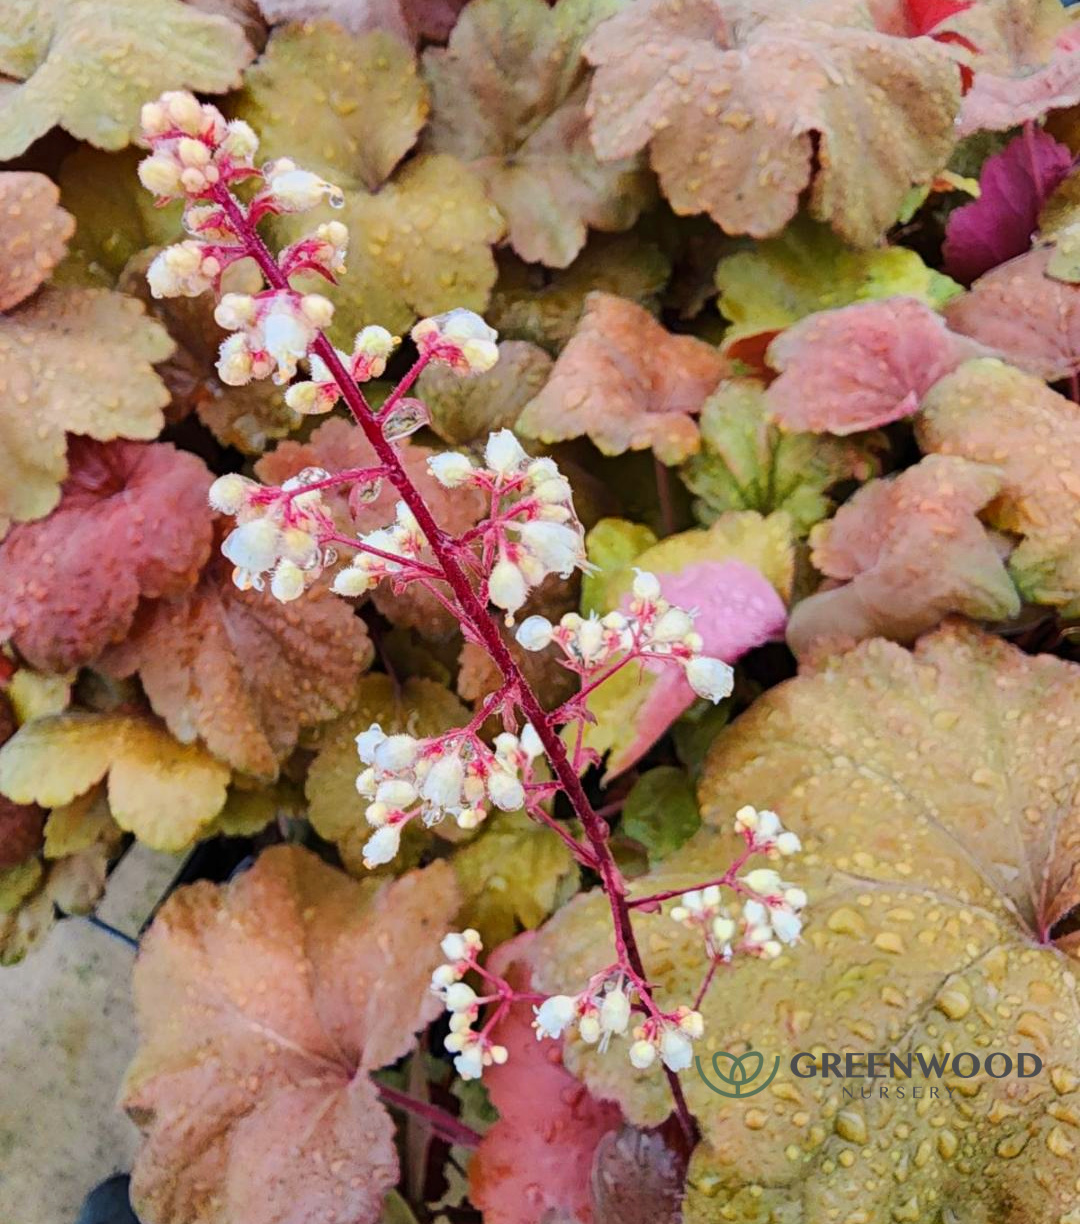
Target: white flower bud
[(253, 546), (377, 815), (459, 997), (161, 175), (503, 453), (229, 493), (534, 633), (234, 311), (365, 783), (723, 930), (240, 143), (470, 818), (444, 975), (395, 753), (787, 925), (673, 625), (396, 793), (318, 310), (646, 586), (506, 586), (676, 1050), (788, 843), (469, 1064), (710, 678), (556, 546), (763, 881), (367, 741), (692, 1024), (642, 1055), (442, 786), (235, 366), (498, 1054), (296, 190), (353, 580), (506, 791), (382, 845), (530, 742), (184, 109), (615, 1012), (554, 1015), (589, 1029), (450, 469), (287, 582)]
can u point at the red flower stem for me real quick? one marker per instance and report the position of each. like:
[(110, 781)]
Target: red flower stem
[(482, 622), (449, 1127), (348, 476), (406, 563), (406, 382)]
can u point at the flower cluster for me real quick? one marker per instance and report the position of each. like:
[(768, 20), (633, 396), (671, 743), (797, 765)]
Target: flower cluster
[(472, 1050), (271, 330), (460, 339), (371, 349), (385, 553), (193, 148), (771, 910), (650, 628), (534, 532), (278, 532), (455, 775), (606, 1010)]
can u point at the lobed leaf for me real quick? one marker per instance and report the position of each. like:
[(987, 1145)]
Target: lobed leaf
[(744, 106), (938, 861), (904, 553), (34, 233), (625, 383), (59, 357), (991, 413), (91, 76), (133, 523), (263, 1005)]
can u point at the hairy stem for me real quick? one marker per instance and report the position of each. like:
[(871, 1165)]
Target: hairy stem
[(480, 620)]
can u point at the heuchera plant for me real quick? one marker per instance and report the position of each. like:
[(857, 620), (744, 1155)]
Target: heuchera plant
[(286, 539)]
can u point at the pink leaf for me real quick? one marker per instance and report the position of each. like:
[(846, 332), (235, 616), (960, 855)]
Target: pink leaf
[(1015, 184), (996, 102), (862, 366), (535, 1162)]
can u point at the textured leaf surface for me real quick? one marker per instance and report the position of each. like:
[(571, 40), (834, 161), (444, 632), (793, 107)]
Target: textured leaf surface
[(408, 19), (163, 792), (242, 672), (468, 409), (937, 861), (20, 824), (994, 414), (59, 361), (34, 233), (626, 383), (534, 1162), (808, 269), (1014, 184), (735, 101), (728, 574), (907, 551), (133, 523), (747, 463), (262, 1004), (508, 95), (1026, 315), (91, 75), (421, 242), (420, 707), (843, 371)]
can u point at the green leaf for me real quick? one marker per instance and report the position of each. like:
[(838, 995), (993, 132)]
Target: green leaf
[(661, 811)]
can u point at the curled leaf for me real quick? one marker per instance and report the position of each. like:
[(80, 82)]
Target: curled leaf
[(1029, 317), (163, 792), (907, 551), (509, 101), (744, 107), (263, 1004), (133, 523), (843, 371), (34, 233), (242, 672), (991, 413), (747, 463), (626, 383), (938, 862), (59, 357), (91, 76)]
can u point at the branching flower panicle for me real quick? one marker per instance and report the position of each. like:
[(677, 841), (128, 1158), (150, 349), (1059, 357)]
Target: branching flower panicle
[(287, 534)]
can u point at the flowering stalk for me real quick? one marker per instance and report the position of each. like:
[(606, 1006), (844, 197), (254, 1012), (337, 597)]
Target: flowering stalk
[(531, 531)]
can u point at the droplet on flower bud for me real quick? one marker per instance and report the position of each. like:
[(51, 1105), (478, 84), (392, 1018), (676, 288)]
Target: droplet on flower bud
[(404, 419), (335, 197), (287, 582)]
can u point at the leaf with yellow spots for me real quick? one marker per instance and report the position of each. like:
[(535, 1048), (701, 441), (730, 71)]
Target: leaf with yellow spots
[(162, 791), (508, 98), (934, 794), (351, 107), (241, 671), (994, 414), (807, 269), (264, 1004), (745, 105), (59, 360), (420, 707), (90, 73), (34, 233)]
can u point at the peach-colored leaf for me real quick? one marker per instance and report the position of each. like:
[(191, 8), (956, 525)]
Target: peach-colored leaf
[(991, 413), (410, 20), (508, 96), (1025, 315), (534, 1162), (241, 671), (626, 383), (743, 106), (843, 371), (34, 233), (133, 523), (906, 552), (262, 1005), (72, 361)]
